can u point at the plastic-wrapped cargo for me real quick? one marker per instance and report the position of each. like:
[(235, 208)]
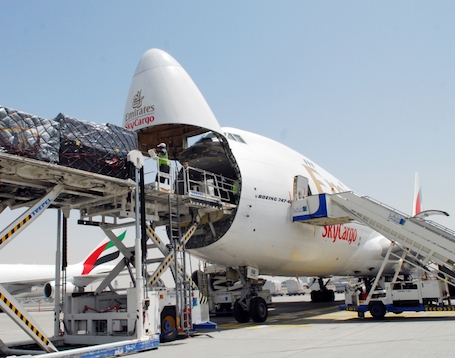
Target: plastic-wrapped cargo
[(97, 148), (274, 286), (294, 287), (28, 135)]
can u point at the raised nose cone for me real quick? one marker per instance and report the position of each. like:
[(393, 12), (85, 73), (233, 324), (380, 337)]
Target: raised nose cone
[(154, 58), (164, 104)]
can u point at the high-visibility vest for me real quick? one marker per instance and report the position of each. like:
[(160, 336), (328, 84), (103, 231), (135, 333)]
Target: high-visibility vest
[(235, 187), (163, 159)]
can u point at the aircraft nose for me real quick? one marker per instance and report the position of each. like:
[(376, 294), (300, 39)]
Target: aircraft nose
[(154, 58), (162, 94)]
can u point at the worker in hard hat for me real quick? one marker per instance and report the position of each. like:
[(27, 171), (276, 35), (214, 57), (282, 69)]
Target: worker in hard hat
[(163, 161)]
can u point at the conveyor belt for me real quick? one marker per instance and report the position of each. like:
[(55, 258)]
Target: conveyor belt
[(24, 180)]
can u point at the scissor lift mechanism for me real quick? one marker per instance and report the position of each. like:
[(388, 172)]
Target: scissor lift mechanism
[(102, 201)]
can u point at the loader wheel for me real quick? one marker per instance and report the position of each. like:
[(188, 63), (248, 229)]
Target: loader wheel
[(377, 310)]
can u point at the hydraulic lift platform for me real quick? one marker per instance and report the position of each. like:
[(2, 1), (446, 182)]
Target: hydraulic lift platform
[(102, 201), (181, 112)]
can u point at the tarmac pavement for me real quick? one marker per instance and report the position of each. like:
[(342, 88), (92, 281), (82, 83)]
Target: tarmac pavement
[(298, 328)]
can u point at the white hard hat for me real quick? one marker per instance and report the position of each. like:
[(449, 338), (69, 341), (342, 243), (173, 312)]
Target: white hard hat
[(161, 145)]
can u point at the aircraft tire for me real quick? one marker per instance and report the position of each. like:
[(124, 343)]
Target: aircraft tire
[(377, 310), (316, 296), (329, 296), (240, 314), (258, 309), (322, 296)]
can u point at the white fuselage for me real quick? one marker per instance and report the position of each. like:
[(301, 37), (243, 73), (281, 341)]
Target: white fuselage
[(29, 279), (25, 273), (263, 234)]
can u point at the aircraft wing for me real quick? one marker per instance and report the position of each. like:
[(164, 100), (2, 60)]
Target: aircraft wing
[(85, 280)]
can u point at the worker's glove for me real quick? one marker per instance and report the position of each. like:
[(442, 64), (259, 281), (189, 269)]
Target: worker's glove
[(152, 153)]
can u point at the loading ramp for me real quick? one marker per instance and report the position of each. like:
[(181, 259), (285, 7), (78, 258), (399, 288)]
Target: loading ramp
[(107, 202)]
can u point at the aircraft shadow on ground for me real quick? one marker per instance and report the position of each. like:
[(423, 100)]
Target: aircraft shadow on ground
[(306, 313)]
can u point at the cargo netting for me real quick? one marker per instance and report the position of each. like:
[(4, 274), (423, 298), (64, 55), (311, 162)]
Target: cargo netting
[(29, 136), (68, 141)]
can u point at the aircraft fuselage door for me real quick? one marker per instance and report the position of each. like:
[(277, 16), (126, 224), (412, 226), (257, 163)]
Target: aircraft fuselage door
[(301, 188)]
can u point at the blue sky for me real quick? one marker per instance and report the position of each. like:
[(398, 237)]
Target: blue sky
[(364, 88)]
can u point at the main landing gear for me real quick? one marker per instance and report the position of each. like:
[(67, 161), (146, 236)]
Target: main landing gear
[(323, 294), (250, 305), (257, 310)]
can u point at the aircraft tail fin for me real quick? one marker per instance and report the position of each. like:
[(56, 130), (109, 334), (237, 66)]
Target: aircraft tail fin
[(105, 252), (417, 207)]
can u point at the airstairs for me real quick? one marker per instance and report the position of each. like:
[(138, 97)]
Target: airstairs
[(423, 242)]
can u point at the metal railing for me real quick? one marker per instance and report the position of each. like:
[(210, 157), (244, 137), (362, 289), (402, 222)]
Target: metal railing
[(433, 226), (196, 183)]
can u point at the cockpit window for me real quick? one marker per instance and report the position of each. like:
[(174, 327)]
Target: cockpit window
[(239, 139), (235, 137)]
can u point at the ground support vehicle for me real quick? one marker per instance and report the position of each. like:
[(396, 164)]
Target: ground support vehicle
[(399, 297)]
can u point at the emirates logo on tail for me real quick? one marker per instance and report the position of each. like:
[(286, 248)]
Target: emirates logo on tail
[(94, 259)]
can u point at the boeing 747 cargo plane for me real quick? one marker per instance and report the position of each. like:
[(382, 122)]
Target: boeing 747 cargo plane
[(164, 105), (255, 234)]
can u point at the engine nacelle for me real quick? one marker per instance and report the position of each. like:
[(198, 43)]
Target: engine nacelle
[(49, 289)]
